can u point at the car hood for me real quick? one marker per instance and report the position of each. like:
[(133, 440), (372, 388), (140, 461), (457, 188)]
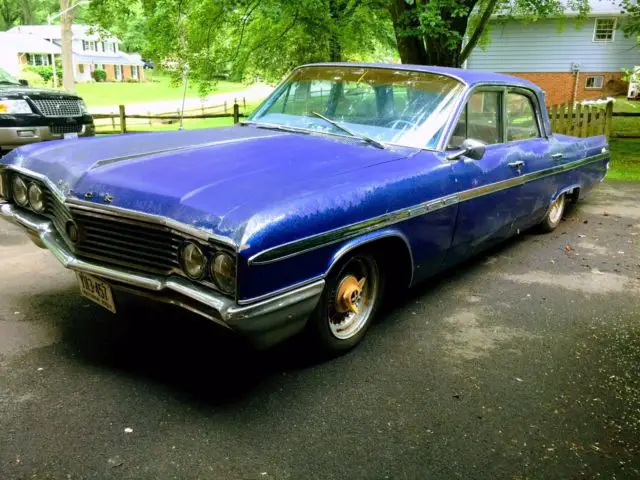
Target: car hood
[(22, 91), (212, 179)]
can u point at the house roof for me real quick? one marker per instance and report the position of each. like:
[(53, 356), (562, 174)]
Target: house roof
[(119, 58), (470, 77), (79, 32), (24, 43)]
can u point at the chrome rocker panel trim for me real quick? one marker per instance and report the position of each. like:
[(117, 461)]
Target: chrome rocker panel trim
[(304, 245), (265, 323)]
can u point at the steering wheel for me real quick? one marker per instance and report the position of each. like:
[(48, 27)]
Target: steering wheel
[(395, 123)]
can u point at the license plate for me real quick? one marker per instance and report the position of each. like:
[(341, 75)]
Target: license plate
[(97, 291), (70, 136)]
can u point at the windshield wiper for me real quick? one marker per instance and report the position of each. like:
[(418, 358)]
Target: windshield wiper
[(274, 126), (369, 140)]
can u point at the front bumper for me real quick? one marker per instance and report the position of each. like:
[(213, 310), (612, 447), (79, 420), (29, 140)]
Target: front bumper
[(13, 137), (265, 323)]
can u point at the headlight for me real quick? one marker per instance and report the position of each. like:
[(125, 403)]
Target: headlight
[(83, 107), (36, 198), (193, 260), (14, 106), (223, 272), (19, 191)]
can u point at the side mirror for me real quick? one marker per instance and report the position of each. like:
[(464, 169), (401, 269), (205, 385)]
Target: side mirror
[(473, 149), (23, 82)]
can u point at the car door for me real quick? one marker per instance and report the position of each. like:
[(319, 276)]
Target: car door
[(489, 189), (527, 143)]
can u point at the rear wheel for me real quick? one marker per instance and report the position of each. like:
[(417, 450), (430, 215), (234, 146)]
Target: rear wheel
[(554, 215), (349, 302)]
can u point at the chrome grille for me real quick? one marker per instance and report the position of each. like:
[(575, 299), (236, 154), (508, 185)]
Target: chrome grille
[(65, 107), (55, 210), (143, 246), (60, 129)]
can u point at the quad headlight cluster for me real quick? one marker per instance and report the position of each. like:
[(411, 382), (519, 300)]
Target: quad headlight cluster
[(27, 194), (220, 267)]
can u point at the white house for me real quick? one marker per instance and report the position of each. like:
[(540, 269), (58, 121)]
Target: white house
[(571, 58), (21, 49), (90, 52)]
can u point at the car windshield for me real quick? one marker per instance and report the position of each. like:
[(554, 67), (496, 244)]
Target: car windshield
[(6, 78), (390, 106)]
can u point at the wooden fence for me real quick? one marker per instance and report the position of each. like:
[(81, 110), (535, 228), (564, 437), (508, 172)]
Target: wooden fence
[(112, 123), (586, 120)]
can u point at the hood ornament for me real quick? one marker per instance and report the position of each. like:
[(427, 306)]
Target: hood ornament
[(107, 198)]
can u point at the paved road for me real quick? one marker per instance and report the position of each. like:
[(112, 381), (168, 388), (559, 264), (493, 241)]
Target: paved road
[(524, 363)]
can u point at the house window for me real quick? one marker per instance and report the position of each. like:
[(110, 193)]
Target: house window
[(109, 47), (38, 59), (118, 69), (89, 46), (604, 30), (134, 72), (595, 82)]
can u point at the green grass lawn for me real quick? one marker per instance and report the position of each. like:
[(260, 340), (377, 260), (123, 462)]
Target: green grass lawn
[(625, 159), (626, 125), (158, 87)]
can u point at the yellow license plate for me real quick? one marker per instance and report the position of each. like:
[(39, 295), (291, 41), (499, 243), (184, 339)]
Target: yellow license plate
[(96, 290)]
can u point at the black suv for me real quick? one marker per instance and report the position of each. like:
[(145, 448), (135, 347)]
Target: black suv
[(30, 115)]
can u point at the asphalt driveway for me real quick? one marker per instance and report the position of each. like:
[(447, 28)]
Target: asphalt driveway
[(524, 363)]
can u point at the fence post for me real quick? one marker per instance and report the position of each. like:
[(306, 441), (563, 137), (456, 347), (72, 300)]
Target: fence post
[(575, 126), (552, 114), (595, 121), (586, 117), (569, 128), (561, 118), (244, 102), (608, 119), (236, 112), (123, 119), (225, 106)]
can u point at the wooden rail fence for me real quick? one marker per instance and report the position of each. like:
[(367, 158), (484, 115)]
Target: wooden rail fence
[(586, 120), (119, 121)]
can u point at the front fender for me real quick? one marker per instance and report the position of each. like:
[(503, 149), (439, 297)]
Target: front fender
[(368, 239)]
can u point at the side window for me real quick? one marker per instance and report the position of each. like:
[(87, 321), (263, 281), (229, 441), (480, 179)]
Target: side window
[(521, 118), (480, 119)]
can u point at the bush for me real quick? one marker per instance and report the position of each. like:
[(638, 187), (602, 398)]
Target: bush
[(46, 73), (99, 75), (33, 78)]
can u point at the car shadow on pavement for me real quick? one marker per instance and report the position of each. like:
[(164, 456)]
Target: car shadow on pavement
[(189, 355)]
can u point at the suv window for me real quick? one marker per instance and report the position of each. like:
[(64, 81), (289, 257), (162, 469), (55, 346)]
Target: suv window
[(480, 119), (521, 118)]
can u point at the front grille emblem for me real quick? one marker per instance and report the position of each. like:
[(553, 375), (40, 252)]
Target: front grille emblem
[(88, 195), (107, 198)]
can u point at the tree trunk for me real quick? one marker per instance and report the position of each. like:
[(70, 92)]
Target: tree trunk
[(411, 48), (66, 21)]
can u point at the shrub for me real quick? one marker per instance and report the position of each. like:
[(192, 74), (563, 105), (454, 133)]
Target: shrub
[(33, 78), (99, 75), (46, 72)]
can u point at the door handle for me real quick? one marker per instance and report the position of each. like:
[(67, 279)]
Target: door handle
[(557, 156), (519, 164)]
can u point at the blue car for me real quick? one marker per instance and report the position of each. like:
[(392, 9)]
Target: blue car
[(348, 180)]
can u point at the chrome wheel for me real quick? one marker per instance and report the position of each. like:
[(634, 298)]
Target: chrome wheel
[(556, 210), (353, 299)]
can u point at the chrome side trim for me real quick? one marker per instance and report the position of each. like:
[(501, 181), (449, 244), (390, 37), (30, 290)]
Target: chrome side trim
[(313, 242), (266, 296)]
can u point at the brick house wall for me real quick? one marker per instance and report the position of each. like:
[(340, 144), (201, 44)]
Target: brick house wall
[(111, 73), (560, 86)]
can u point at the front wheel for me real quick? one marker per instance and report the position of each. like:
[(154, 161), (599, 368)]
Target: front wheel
[(554, 215), (350, 300)]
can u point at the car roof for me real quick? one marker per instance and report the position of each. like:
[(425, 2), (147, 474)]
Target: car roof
[(470, 77)]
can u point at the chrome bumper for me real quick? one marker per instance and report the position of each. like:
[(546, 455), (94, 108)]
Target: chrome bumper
[(265, 323), (13, 137)]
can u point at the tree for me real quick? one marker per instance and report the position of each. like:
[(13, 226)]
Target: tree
[(433, 32)]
